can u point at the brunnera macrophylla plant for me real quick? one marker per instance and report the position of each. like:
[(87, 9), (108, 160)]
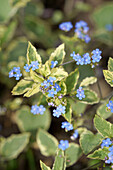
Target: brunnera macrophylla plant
[(60, 88)]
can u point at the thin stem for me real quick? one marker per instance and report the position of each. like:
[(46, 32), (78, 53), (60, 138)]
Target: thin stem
[(66, 63), (91, 166), (100, 92)]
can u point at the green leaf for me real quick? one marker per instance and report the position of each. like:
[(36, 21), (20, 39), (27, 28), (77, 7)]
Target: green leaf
[(26, 121), (19, 3), (72, 80), (108, 77), (110, 64), (77, 107), (88, 141), (43, 166), (68, 113), (59, 73), (103, 15), (88, 80), (90, 97), (59, 161), (104, 127), (63, 88), (99, 154), (32, 54), (12, 146), (37, 78), (35, 89), (73, 153), (103, 112), (47, 143), (9, 32), (22, 87), (58, 55)]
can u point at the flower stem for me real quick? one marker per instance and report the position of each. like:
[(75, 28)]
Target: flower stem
[(66, 62)]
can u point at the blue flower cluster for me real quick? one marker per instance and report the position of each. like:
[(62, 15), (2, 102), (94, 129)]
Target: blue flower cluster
[(110, 106), (67, 126), (86, 59), (59, 110), (107, 143), (66, 26), (75, 135), (37, 109), (15, 72), (50, 87), (80, 93), (53, 63), (63, 145), (34, 65), (81, 30)]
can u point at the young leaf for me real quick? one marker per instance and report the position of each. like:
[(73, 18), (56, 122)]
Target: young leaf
[(99, 154), (110, 64), (59, 161), (35, 89), (103, 112), (59, 73), (37, 78), (58, 55), (22, 87), (88, 141), (108, 77), (72, 80), (104, 127), (45, 70), (88, 80), (47, 143), (32, 54), (68, 113), (73, 153), (12, 146), (43, 166), (26, 121)]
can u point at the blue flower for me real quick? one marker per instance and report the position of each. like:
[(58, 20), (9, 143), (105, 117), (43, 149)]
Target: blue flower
[(57, 87), (53, 63), (52, 93), (86, 58), (11, 74), (75, 135), (80, 61), (15, 72), (27, 68), (110, 160), (81, 30), (34, 109), (106, 142), (61, 109), (51, 80), (111, 149), (41, 109), (67, 126), (110, 105), (87, 39), (45, 84), (18, 75), (37, 109), (109, 27), (56, 113), (96, 57), (63, 145), (34, 65), (80, 93), (66, 26)]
